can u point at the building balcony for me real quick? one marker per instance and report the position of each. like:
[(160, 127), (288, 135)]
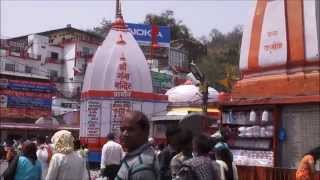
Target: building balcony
[(23, 55), (58, 79), (23, 73), (54, 60)]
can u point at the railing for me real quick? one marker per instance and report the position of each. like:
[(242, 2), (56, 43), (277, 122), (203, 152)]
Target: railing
[(23, 55), (54, 60), (34, 71), (58, 79), (83, 55)]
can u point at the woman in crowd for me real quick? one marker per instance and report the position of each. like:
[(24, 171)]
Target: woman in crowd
[(306, 168), (223, 156), (28, 167), (66, 164)]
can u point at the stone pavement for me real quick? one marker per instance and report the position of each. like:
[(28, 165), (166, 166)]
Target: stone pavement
[(3, 166)]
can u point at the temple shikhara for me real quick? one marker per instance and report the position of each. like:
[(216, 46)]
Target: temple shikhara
[(275, 107), (117, 80)]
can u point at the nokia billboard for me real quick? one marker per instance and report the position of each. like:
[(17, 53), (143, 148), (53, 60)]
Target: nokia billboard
[(142, 34)]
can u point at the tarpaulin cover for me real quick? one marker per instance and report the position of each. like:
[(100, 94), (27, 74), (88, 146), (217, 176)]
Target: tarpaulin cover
[(31, 113), (15, 101), (8, 92), (22, 85)]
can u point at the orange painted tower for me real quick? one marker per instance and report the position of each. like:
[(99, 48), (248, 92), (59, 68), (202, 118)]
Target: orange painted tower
[(274, 109)]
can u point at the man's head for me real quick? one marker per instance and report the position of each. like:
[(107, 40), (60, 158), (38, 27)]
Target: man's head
[(111, 136), (41, 140), (134, 130), (201, 145), (184, 141), (172, 135)]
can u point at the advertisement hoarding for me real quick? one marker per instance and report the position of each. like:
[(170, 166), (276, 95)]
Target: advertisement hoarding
[(142, 33)]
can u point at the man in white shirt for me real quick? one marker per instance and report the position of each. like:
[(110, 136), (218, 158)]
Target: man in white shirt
[(111, 156)]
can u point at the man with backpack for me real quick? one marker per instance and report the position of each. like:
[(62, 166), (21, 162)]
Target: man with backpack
[(200, 167), (140, 162), (168, 152)]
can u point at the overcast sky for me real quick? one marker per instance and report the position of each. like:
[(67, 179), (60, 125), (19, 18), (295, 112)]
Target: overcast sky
[(26, 17)]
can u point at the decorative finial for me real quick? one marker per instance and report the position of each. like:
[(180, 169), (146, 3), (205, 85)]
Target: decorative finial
[(119, 23), (118, 9)]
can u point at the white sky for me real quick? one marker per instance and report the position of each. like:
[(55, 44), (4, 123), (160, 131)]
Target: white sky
[(26, 17)]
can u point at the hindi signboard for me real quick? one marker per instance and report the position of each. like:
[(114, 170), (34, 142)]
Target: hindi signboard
[(94, 118)]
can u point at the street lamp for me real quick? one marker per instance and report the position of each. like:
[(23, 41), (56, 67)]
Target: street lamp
[(203, 88)]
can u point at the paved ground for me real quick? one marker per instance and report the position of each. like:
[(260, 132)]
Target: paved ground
[(3, 166), (93, 173)]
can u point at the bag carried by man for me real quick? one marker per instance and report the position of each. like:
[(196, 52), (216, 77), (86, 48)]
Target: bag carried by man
[(142, 167)]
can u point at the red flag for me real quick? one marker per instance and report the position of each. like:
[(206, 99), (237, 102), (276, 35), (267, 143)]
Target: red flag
[(154, 35)]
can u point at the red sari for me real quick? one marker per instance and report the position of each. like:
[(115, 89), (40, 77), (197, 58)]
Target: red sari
[(305, 169)]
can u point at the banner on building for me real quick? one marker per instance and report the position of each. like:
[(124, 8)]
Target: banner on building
[(18, 102), (22, 85), (23, 113), (9, 92), (161, 80)]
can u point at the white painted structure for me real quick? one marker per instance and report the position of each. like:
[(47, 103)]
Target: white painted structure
[(276, 37), (117, 80)]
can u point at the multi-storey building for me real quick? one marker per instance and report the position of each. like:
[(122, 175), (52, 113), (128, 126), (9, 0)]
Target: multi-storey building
[(60, 54)]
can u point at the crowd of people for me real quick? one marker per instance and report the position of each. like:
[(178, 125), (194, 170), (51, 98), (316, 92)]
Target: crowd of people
[(41, 159), (185, 157)]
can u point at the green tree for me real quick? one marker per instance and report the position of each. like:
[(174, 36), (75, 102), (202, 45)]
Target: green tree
[(181, 36), (103, 29), (166, 18), (222, 60)]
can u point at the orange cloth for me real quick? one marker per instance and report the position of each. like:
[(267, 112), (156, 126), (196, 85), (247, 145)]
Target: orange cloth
[(305, 169)]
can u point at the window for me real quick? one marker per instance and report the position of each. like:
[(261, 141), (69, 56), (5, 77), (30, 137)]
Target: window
[(85, 51), (53, 73), (66, 105), (10, 67), (28, 69), (54, 55)]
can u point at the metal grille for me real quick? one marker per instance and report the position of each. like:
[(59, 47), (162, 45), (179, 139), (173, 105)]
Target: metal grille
[(302, 125)]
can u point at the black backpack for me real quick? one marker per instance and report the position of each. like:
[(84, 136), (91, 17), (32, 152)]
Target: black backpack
[(186, 172), (142, 167)]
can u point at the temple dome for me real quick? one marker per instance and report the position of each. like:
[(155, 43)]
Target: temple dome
[(118, 47), (190, 94)]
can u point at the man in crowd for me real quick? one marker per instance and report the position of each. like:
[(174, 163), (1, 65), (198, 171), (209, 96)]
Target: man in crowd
[(184, 149), (111, 156), (201, 166), (140, 162), (44, 154), (168, 153)]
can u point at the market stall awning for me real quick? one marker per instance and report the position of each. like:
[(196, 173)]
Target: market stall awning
[(177, 114)]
